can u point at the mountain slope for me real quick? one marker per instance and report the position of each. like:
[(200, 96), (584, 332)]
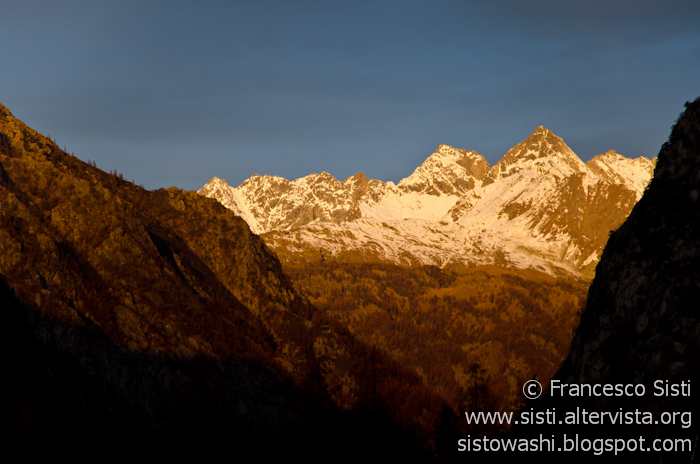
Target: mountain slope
[(158, 318), (539, 207)]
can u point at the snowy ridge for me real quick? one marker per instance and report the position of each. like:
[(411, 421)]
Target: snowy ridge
[(539, 207), (271, 202), (433, 188), (618, 169)]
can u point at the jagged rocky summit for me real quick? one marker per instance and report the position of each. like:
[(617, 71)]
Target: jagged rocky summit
[(539, 207)]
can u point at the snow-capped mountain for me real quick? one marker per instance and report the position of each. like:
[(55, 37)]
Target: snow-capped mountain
[(270, 203), (539, 207), (273, 203)]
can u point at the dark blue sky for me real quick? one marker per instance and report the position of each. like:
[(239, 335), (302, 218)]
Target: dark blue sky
[(173, 93)]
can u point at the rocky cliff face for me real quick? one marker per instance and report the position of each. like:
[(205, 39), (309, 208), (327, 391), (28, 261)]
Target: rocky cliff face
[(641, 324)]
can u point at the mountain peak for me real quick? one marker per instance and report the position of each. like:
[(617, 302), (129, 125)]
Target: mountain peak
[(216, 180), (323, 176), (213, 184), (359, 180), (543, 135), (448, 170), (541, 150)]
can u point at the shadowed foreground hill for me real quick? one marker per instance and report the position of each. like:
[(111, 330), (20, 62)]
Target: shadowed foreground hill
[(133, 318)]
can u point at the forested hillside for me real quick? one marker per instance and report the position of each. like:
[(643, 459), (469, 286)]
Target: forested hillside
[(486, 327)]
